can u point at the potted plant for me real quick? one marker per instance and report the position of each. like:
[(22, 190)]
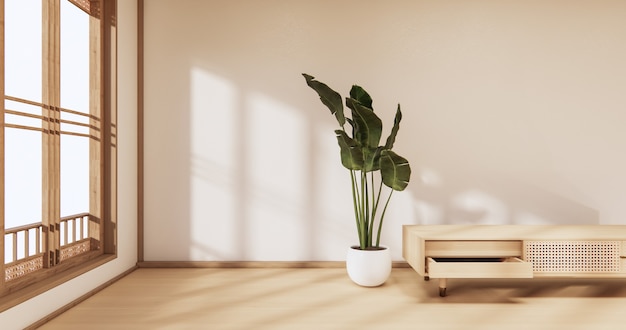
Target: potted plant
[(371, 167)]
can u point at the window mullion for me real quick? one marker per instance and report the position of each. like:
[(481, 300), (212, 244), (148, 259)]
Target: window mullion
[(2, 271), (96, 178), (109, 122), (51, 96)]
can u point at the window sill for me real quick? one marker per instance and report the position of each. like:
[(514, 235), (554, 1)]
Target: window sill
[(12, 299)]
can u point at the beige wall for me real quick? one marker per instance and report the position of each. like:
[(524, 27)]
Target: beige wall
[(513, 113), (44, 304)]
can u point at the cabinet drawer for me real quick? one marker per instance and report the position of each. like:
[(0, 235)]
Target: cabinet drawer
[(510, 267), (474, 248)]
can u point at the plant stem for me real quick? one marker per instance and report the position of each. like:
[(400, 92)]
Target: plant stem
[(364, 210), (382, 216), (373, 213), (355, 202), (380, 189)]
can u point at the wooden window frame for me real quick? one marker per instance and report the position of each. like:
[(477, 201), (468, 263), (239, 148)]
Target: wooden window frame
[(103, 175)]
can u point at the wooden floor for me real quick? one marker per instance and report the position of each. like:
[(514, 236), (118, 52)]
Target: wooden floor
[(326, 299)]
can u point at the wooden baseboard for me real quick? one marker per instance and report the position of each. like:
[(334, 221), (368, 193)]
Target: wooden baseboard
[(251, 264), (79, 300)]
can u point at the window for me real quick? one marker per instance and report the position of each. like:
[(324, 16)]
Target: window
[(57, 142)]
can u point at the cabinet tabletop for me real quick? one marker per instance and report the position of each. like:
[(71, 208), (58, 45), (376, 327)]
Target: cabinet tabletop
[(518, 232)]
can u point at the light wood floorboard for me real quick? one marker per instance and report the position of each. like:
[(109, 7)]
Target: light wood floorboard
[(326, 299)]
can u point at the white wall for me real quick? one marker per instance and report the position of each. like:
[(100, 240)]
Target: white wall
[(34, 309), (513, 113)]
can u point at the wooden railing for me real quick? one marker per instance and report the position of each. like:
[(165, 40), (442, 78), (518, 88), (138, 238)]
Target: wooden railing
[(68, 230), (25, 245), (75, 238), (26, 233)]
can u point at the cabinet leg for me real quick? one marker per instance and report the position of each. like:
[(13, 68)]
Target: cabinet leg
[(443, 283)]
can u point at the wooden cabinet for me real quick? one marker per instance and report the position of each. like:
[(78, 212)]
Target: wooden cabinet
[(514, 251)]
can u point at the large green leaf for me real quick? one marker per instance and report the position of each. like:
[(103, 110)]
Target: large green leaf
[(360, 95), (351, 155), (371, 159), (368, 128), (394, 131), (395, 170), (328, 96)]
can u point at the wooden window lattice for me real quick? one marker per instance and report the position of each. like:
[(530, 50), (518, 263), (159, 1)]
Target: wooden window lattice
[(76, 249), (574, 256), (23, 268)]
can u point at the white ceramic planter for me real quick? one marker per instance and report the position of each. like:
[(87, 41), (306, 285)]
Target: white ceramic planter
[(368, 267)]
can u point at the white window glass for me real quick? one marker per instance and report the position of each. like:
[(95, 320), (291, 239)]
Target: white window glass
[(23, 38), (74, 175), (22, 177), (74, 58), (74, 96)]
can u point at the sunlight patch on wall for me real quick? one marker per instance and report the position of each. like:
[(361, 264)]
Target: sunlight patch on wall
[(213, 144), (333, 197), (430, 178), (276, 153), (478, 207), (276, 145)]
